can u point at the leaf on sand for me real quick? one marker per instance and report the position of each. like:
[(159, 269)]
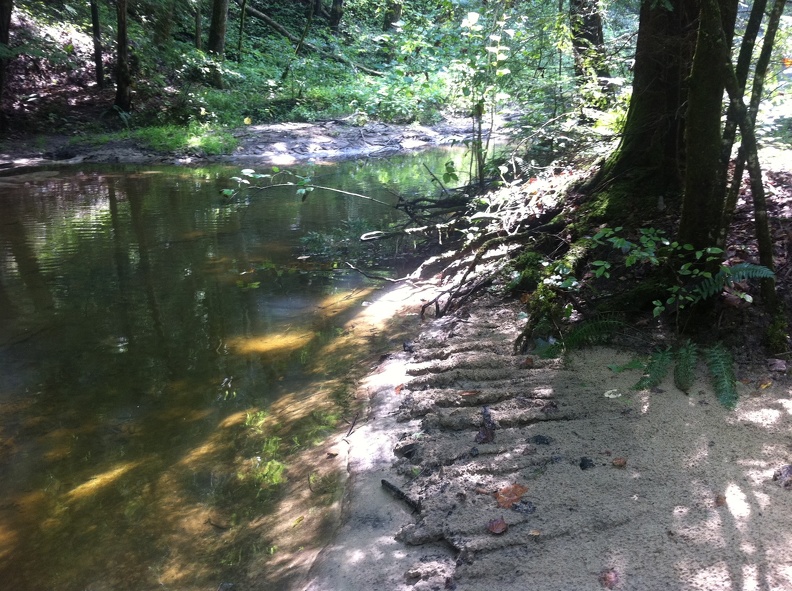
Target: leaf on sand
[(509, 495), (497, 526)]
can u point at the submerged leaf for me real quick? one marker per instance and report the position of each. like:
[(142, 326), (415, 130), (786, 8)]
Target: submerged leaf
[(497, 526)]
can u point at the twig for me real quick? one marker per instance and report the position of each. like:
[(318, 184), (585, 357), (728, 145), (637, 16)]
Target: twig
[(370, 276), (354, 422)]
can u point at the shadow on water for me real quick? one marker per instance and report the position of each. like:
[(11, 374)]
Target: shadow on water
[(168, 363)]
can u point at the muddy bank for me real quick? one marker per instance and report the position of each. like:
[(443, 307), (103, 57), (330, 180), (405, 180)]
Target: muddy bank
[(279, 144), (581, 482)]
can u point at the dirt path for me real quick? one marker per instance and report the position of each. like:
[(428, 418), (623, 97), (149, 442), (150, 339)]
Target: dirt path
[(629, 490)]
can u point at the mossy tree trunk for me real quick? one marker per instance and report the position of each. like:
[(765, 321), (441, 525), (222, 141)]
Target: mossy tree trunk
[(703, 202), (651, 151), (588, 42)]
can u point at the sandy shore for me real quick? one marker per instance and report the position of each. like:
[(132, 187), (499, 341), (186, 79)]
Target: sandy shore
[(587, 483)]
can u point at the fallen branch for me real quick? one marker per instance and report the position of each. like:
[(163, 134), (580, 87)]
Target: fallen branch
[(370, 276)]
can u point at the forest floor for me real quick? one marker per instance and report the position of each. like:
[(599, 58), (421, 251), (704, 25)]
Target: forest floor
[(579, 483)]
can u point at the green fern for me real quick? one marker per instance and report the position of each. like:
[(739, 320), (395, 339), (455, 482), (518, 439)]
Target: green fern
[(685, 369), (592, 332), (728, 276), (721, 367), (656, 370)]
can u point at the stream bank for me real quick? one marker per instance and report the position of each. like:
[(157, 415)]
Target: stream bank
[(583, 483)]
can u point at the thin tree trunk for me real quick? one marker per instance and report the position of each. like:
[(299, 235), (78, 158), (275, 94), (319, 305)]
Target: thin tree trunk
[(217, 36), (588, 42), (123, 98), (198, 28), (97, 44), (242, 30), (393, 13), (6, 7)]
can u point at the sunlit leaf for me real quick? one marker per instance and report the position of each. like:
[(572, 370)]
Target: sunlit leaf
[(509, 495)]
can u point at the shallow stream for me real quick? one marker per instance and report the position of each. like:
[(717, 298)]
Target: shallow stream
[(148, 327)]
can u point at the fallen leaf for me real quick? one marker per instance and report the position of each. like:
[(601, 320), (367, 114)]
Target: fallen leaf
[(535, 532), (528, 362), (720, 500), (765, 384), (619, 462), (509, 495), (398, 388), (470, 392), (497, 526), (298, 521)]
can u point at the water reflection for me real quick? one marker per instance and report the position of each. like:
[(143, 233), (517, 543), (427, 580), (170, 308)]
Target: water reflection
[(144, 322)]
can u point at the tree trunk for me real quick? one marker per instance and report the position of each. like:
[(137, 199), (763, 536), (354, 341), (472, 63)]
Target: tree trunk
[(651, 146), (393, 13), (123, 99), (6, 7), (703, 202), (97, 44), (217, 36), (336, 14), (198, 28), (588, 43), (164, 22)]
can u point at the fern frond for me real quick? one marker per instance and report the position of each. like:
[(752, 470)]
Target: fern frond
[(721, 367), (728, 276), (591, 332), (656, 370), (685, 369)]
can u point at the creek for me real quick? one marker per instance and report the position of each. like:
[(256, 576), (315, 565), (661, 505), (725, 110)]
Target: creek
[(156, 342)]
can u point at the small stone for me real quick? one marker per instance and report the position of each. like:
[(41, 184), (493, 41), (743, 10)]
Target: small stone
[(586, 463), (619, 462)]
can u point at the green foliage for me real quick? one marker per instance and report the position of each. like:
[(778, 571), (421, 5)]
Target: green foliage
[(685, 368), (592, 332), (655, 370), (694, 282), (721, 367)]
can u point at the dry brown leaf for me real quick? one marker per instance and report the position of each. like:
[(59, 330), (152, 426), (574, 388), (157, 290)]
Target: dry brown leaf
[(509, 495), (398, 388), (720, 500), (527, 362), (470, 392), (497, 526)]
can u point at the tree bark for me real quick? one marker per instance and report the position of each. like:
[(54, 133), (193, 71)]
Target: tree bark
[(123, 99), (6, 7), (217, 37), (198, 28), (336, 14), (703, 202), (651, 148), (393, 13), (588, 42), (97, 44)]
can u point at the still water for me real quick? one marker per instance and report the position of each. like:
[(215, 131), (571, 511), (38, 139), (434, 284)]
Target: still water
[(148, 327)]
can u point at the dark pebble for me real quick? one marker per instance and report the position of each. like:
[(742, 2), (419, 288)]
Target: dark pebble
[(586, 463), (540, 440)]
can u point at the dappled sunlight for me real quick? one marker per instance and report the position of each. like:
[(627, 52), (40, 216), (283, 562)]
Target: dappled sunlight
[(737, 502), (279, 343), (101, 481), (763, 417)]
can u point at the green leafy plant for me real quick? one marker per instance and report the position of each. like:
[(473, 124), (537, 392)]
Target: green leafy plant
[(721, 367), (689, 266), (685, 368), (655, 370)]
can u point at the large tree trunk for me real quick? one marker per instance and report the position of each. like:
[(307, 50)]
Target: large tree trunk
[(393, 13), (702, 206), (653, 136), (6, 7), (123, 99), (97, 44), (217, 36)]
